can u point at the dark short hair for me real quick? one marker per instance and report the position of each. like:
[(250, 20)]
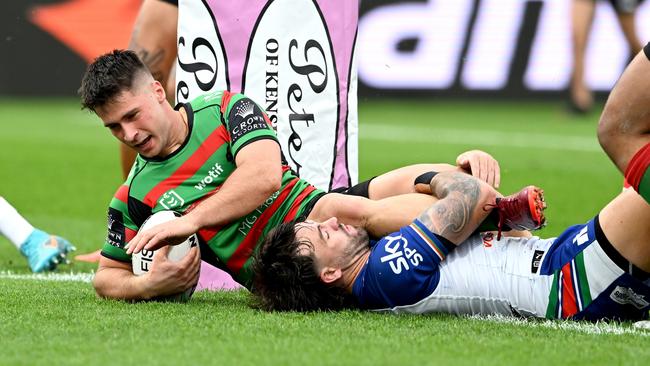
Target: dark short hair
[(286, 280), (109, 75)]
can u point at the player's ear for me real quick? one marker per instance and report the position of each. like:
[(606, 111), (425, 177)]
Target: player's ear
[(330, 274), (159, 91)]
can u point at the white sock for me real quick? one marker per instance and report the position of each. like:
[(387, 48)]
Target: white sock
[(12, 225)]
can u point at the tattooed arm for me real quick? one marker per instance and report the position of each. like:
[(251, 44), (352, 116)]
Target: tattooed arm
[(154, 40), (461, 206)]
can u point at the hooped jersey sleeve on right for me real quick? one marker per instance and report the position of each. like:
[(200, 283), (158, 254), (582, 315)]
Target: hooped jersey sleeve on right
[(245, 121), (403, 268)]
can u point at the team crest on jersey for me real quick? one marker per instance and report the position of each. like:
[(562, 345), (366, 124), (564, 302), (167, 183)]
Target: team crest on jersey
[(171, 200)]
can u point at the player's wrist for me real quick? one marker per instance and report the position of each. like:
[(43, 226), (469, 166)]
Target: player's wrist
[(194, 221), (144, 287)]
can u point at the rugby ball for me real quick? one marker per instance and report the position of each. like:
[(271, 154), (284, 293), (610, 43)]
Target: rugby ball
[(142, 261)]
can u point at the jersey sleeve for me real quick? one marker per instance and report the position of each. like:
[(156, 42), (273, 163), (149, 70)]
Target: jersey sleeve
[(120, 227), (245, 122), (403, 268)]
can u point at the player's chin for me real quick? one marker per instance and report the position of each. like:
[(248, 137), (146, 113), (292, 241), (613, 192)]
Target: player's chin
[(147, 148)]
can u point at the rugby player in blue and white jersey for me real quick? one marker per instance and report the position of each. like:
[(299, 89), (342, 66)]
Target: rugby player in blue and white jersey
[(597, 270)]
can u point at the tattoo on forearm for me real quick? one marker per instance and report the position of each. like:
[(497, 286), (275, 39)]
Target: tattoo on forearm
[(459, 195), (153, 59)]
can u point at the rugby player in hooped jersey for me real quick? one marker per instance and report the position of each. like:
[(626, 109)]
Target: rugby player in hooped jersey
[(216, 160), (598, 270)]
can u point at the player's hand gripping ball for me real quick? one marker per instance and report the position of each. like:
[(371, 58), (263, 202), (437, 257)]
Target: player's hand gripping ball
[(142, 261)]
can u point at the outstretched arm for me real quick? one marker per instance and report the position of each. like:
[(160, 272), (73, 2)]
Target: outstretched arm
[(401, 181), (388, 215)]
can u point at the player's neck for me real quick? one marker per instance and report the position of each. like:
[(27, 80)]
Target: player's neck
[(180, 130), (351, 273)]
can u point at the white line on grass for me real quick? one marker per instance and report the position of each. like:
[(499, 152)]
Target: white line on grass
[(433, 135), (582, 327), (58, 277)]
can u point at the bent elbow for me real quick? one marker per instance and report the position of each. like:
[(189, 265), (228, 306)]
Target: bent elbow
[(271, 182), (100, 290)]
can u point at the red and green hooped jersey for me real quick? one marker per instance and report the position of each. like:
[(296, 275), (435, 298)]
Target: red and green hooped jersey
[(220, 125)]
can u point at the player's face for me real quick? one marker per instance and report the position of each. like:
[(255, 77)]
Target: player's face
[(136, 118), (334, 244)]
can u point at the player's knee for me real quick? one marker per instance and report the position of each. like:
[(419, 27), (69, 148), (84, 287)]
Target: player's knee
[(608, 128)]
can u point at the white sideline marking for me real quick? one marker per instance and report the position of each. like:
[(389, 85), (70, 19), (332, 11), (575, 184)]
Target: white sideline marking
[(58, 277), (435, 135), (582, 327)]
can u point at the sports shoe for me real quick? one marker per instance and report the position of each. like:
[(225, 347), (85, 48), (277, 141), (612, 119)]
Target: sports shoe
[(523, 210), (44, 251)]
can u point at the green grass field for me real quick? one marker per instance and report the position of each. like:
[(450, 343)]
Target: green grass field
[(60, 169)]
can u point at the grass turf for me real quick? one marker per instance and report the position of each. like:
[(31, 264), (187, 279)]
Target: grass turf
[(60, 168)]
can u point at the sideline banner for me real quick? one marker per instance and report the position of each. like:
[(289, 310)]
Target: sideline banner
[(295, 58)]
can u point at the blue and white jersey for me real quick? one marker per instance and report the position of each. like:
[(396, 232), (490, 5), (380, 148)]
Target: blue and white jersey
[(402, 268), (573, 276)]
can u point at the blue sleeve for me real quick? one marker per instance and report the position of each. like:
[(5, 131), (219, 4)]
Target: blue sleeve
[(403, 268)]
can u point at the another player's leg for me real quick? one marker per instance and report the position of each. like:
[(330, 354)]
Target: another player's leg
[(43, 251), (628, 26), (580, 97), (625, 223), (624, 127)]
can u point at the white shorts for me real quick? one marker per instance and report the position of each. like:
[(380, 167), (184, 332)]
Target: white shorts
[(566, 277)]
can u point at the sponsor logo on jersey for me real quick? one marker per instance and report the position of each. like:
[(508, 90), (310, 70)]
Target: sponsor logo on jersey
[(171, 200), (537, 261), (213, 174), (116, 233), (487, 239), (245, 117), (399, 256), (248, 221), (625, 295)]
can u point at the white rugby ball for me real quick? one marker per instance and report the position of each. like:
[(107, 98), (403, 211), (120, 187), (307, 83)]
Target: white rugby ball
[(142, 261)]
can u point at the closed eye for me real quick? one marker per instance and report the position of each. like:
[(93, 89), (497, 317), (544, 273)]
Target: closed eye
[(131, 116), (323, 234)]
